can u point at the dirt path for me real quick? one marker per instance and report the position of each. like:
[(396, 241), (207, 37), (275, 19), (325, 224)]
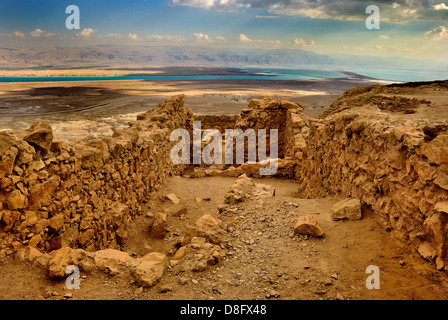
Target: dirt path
[(263, 259)]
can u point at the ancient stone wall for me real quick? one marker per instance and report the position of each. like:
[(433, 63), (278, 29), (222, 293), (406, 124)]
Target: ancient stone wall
[(83, 195), (396, 166)]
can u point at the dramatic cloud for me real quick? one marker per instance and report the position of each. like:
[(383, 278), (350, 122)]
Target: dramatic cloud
[(391, 11), (439, 33)]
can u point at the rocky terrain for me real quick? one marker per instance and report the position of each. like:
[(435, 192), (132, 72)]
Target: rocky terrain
[(363, 185)]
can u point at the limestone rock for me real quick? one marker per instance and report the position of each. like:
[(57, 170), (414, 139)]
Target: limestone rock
[(347, 209), (56, 223), (39, 135), (150, 268), (307, 225), (173, 198), (180, 253), (427, 251), (240, 190), (207, 222), (158, 226), (112, 260), (15, 200), (442, 207), (62, 258)]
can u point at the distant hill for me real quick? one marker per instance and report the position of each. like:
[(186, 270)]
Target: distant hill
[(50, 57)]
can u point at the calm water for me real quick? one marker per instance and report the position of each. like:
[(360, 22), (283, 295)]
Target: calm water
[(262, 74), (246, 74)]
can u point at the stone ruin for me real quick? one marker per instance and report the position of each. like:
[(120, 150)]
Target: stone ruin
[(74, 202)]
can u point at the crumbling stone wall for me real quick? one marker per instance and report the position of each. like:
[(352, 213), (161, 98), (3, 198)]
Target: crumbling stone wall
[(397, 166), (83, 195)]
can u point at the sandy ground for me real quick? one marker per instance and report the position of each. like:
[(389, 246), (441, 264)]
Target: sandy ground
[(264, 259)]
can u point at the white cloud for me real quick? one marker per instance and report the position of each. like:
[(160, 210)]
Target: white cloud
[(244, 38), (86, 32), (19, 34), (439, 33), (302, 44), (441, 6), (158, 37), (205, 4), (384, 37), (201, 37), (133, 36), (220, 38), (116, 36), (38, 33)]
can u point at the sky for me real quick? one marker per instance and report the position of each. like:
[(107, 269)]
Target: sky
[(408, 28)]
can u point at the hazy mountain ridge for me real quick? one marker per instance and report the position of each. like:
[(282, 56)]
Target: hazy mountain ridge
[(156, 56)]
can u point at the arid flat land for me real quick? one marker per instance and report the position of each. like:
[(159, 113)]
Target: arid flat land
[(85, 109)]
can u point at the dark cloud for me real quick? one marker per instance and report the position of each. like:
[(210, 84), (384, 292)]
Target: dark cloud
[(392, 11)]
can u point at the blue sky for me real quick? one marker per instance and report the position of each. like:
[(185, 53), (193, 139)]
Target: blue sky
[(415, 29)]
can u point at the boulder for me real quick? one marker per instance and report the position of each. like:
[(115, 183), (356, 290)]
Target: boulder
[(62, 258), (112, 260), (349, 209), (39, 135), (150, 268), (307, 225)]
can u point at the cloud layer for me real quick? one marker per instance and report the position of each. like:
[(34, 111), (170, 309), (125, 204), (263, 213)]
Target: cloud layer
[(391, 11)]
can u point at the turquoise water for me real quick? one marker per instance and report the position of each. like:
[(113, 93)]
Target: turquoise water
[(405, 75), (246, 74), (262, 74)]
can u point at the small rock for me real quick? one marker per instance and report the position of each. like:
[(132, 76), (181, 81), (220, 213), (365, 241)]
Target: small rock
[(339, 296), (182, 281), (165, 288), (427, 251), (68, 295), (138, 291), (307, 225), (347, 209), (174, 199), (440, 265), (335, 276), (272, 294)]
